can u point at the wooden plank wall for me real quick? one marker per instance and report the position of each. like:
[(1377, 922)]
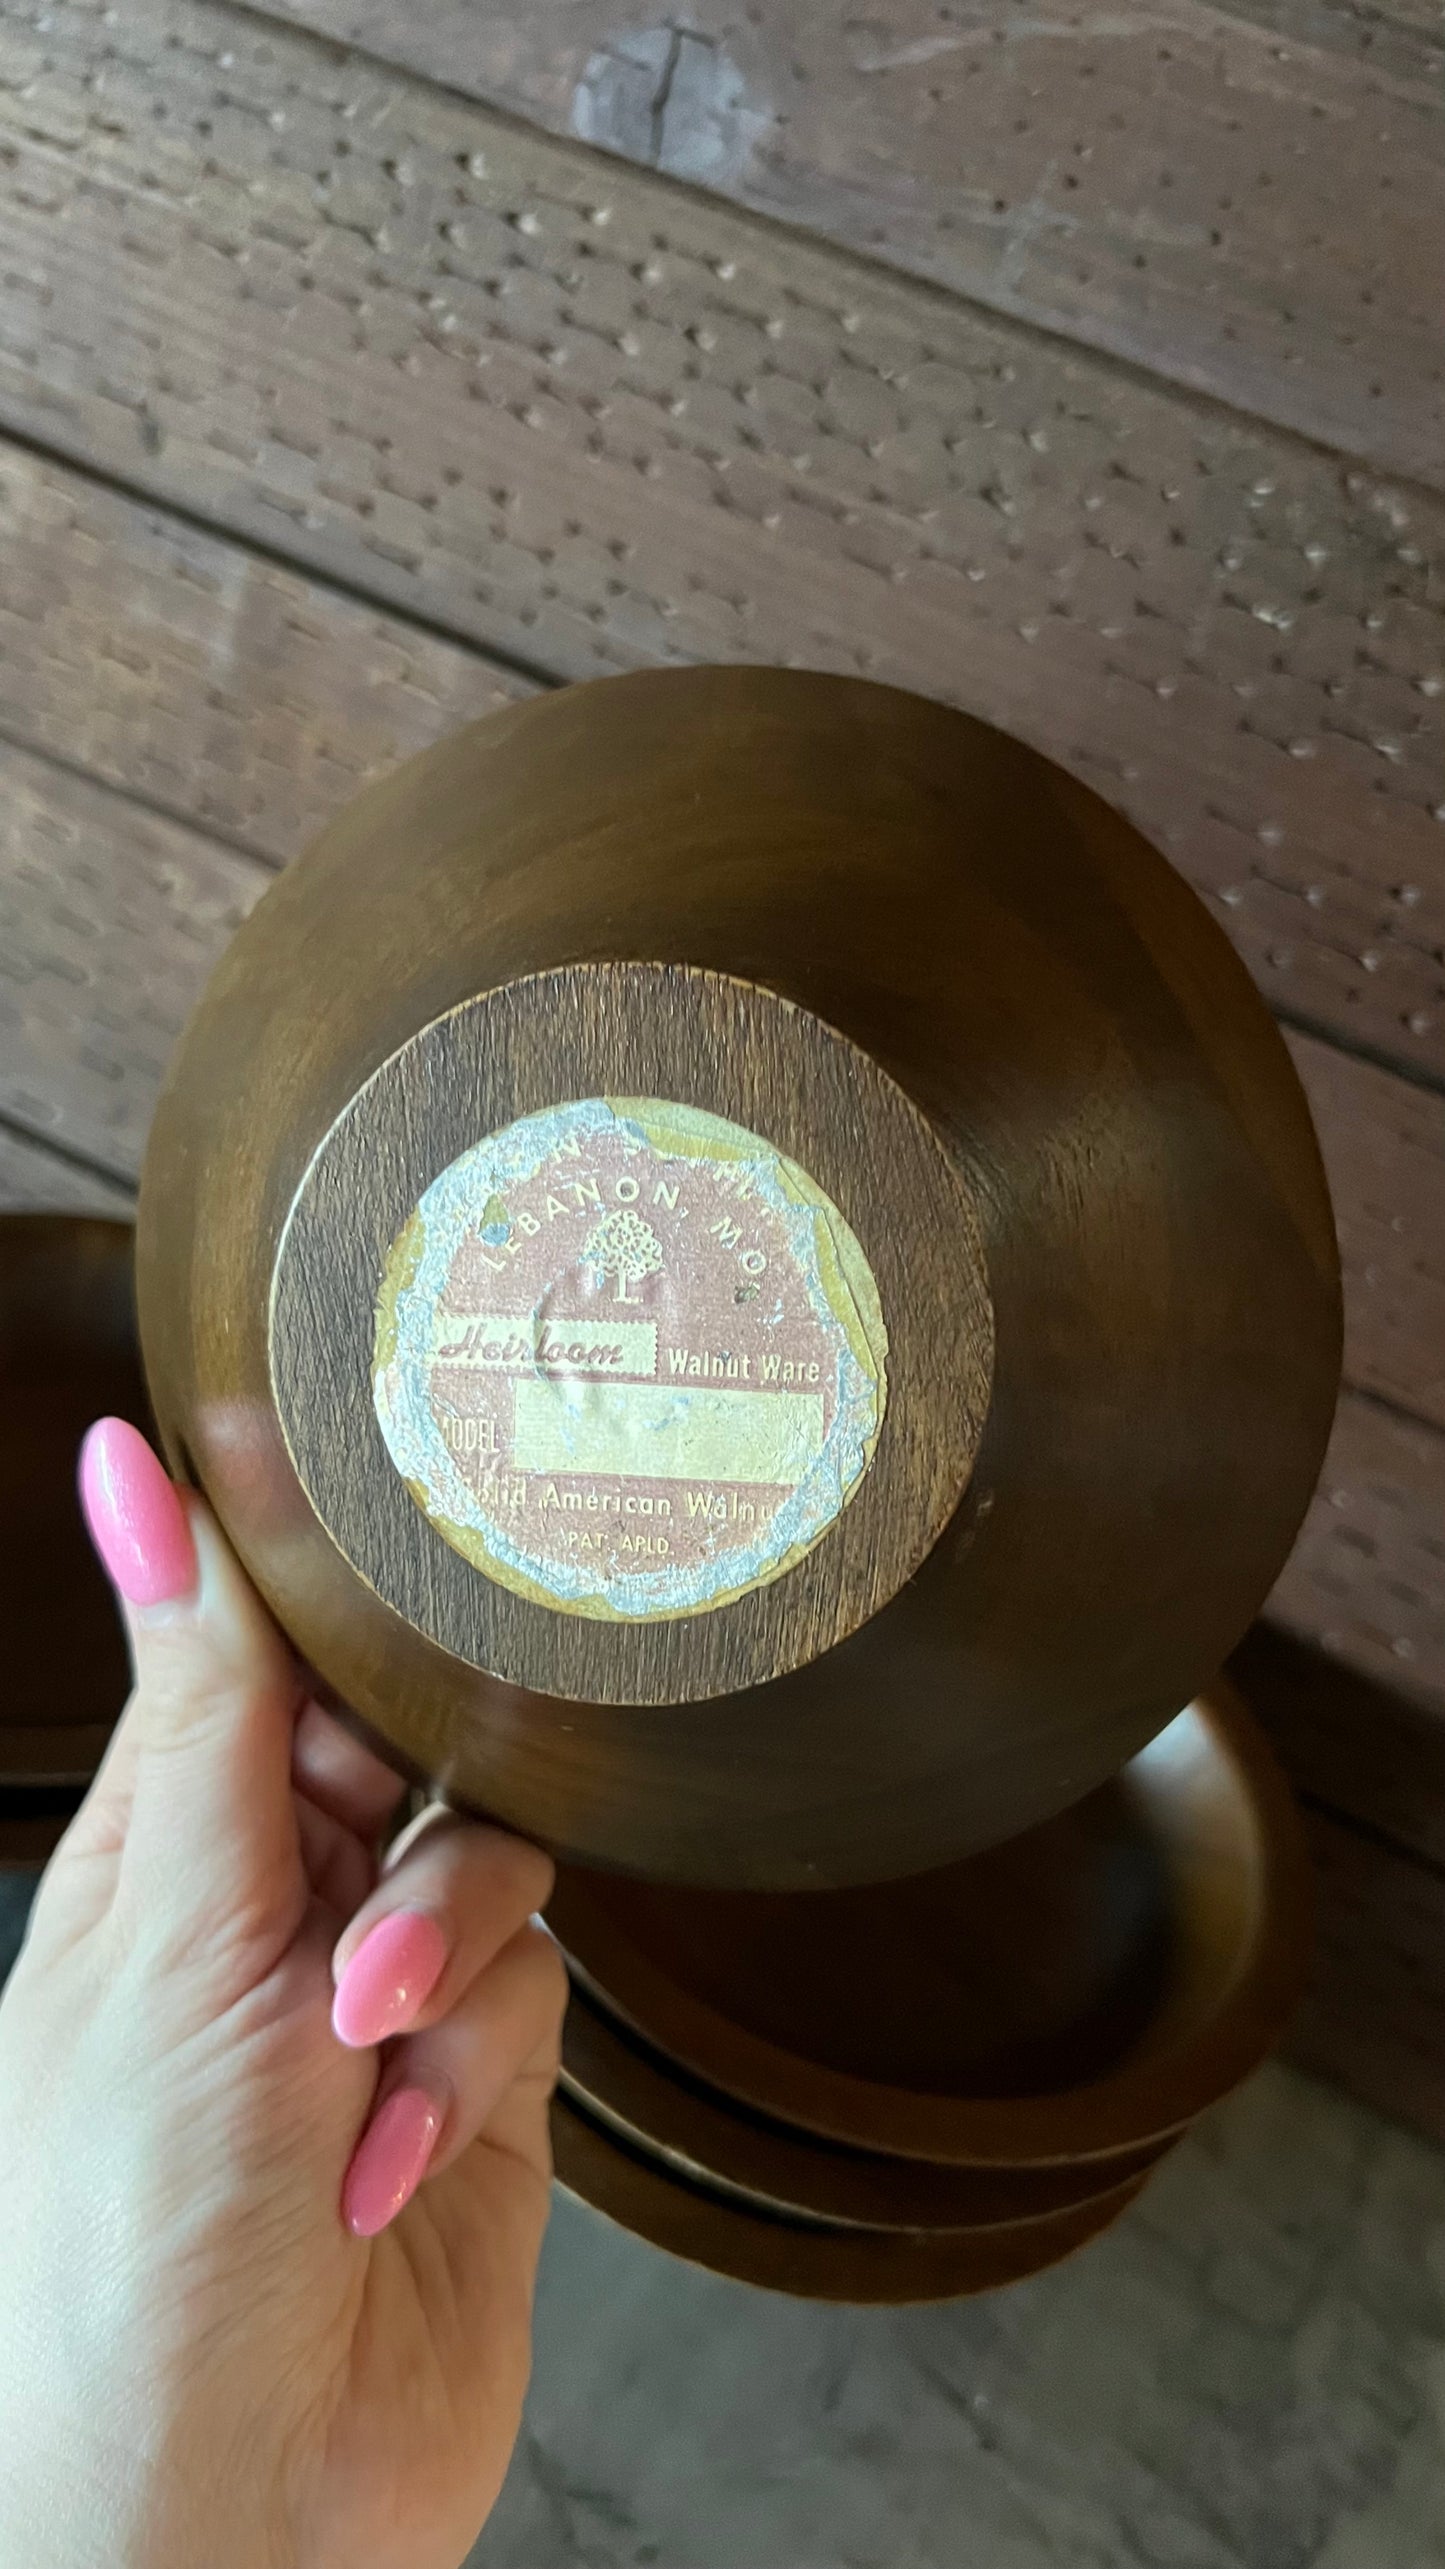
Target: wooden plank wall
[(1073, 386), (1248, 200)]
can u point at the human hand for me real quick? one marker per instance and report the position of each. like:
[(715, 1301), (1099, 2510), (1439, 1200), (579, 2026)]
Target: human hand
[(232, 2334)]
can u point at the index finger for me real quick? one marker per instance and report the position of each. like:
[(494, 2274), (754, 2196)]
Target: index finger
[(342, 1776)]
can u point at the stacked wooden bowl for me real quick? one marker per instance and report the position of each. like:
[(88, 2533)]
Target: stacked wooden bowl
[(68, 1354), (750, 1278), (935, 2086)]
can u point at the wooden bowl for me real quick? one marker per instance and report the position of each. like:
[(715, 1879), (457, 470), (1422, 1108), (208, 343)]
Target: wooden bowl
[(812, 2260), (1089, 1988), (68, 1355), (706, 2139), (748, 1274)]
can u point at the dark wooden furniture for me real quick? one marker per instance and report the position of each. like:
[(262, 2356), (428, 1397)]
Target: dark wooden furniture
[(68, 1354)]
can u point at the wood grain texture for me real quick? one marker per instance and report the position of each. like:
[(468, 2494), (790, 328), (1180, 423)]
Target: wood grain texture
[(572, 415), (1348, 1742), (220, 754), (1374, 2020), (1248, 199), (1367, 1576), (628, 1031), (816, 2261), (115, 917), (198, 676), (1384, 1144), (626, 2088), (1384, 1147), (243, 697), (33, 1180), (1087, 1988), (799, 834)]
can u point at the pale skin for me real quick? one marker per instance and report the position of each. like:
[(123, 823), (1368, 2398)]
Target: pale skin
[(200, 2360)]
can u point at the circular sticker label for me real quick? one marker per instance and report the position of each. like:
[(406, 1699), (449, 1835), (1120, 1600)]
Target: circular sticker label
[(629, 1358)]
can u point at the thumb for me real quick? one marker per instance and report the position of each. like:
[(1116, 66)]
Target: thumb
[(198, 1780)]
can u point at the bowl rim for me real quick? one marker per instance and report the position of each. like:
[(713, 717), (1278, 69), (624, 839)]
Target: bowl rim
[(846, 778), (706, 2139), (1139, 2101), (812, 2260)]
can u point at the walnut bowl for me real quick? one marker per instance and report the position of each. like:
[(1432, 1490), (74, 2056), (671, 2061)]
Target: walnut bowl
[(748, 1273)]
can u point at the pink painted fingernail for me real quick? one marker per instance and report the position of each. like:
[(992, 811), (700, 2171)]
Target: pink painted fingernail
[(389, 1979), (390, 2159), (136, 1520)]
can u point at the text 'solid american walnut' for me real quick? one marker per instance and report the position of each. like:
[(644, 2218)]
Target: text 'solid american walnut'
[(748, 1274)]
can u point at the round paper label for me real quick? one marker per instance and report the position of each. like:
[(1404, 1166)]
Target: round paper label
[(629, 1358)]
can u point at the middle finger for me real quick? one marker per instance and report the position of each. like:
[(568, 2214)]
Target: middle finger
[(442, 1912)]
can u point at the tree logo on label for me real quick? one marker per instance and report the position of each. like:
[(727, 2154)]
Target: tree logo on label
[(624, 1246)]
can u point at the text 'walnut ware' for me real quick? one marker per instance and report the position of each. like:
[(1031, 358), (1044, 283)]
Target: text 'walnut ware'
[(748, 1274)]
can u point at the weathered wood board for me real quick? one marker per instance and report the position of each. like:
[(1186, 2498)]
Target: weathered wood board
[(1367, 1577), (200, 677), (559, 408), (1164, 183), (34, 1180), (1384, 1143), (1375, 2018), (1352, 1744)]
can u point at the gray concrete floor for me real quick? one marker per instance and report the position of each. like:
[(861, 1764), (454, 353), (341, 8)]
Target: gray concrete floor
[(1249, 2373)]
